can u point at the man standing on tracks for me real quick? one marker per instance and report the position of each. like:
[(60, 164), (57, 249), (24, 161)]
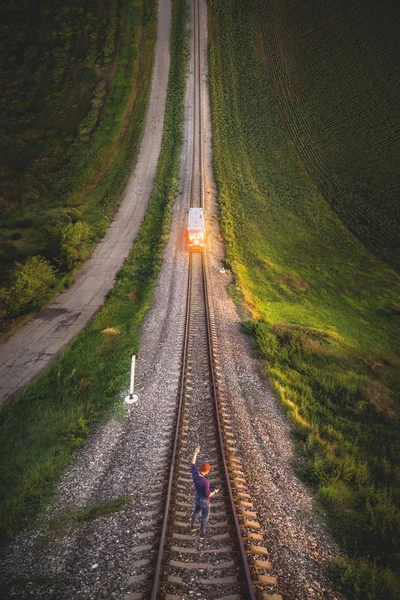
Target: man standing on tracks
[(204, 491)]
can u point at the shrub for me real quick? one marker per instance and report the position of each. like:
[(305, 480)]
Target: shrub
[(74, 239), (20, 223), (29, 286), (361, 580)]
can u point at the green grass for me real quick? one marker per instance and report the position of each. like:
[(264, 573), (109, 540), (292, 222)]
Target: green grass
[(42, 427), (332, 66), (325, 312), (58, 168)]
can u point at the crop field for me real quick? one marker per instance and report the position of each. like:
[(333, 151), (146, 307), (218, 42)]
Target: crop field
[(324, 310), (73, 88), (335, 70), (42, 427)]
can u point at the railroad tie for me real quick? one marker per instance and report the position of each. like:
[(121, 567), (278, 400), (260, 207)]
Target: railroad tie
[(263, 564), (252, 524), (140, 563), (249, 514), (185, 550), (254, 536), (146, 535), (228, 564), (137, 578), (259, 550), (145, 548), (219, 580), (175, 579), (267, 580)]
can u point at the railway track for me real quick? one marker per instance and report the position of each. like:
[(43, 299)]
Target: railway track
[(230, 562), (215, 566)]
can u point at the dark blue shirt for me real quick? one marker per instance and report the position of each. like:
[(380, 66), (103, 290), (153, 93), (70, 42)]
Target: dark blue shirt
[(201, 484)]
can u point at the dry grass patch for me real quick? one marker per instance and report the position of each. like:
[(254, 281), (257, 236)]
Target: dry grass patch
[(292, 283), (111, 331), (378, 395)]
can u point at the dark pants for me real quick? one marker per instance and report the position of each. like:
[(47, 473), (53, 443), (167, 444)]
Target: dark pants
[(202, 505)]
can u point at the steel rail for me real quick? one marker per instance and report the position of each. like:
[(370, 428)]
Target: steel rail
[(200, 139), (195, 84), (246, 570), (196, 143), (197, 169), (157, 573)]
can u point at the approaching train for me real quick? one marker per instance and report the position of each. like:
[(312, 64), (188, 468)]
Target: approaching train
[(196, 230)]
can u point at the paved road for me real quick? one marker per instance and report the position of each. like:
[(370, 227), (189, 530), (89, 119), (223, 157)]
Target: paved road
[(35, 345)]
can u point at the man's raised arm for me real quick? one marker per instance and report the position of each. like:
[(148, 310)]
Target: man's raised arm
[(195, 453)]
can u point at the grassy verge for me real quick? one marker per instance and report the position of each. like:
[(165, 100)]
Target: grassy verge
[(74, 170), (43, 426), (325, 311), (76, 516)]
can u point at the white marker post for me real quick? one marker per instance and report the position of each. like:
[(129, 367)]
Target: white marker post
[(132, 398)]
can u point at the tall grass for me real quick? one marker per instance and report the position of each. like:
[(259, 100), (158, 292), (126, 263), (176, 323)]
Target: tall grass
[(325, 312), (42, 427)]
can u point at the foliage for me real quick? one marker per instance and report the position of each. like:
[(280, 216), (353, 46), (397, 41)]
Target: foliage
[(29, 286), (323, 309), (74, 239), (71, 120), (76, 434), (41, 427), (362, 580), (87, 124)]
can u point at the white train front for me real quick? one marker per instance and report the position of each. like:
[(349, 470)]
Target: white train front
[(196, 230)]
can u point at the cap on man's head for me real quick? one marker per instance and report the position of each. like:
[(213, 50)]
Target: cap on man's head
[(206, 468)]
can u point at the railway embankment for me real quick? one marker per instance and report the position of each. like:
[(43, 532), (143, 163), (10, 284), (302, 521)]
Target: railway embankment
[(322, 308)]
